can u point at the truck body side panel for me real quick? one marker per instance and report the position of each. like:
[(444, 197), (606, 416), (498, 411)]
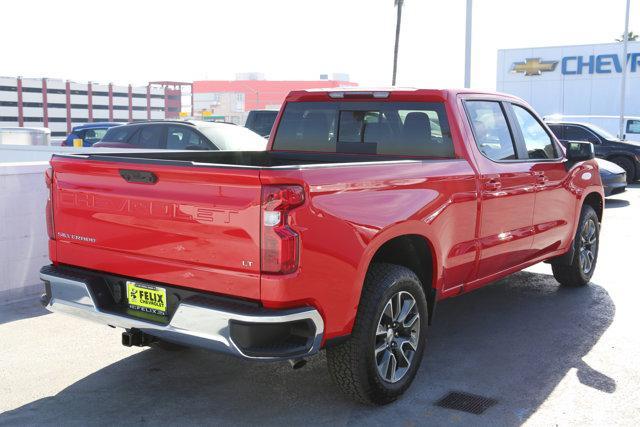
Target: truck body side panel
[(352, 211)]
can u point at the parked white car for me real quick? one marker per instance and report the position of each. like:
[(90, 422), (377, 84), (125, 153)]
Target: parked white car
[(183, 135)]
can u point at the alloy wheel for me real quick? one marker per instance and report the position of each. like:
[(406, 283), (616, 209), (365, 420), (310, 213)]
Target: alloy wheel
[(588, 246), (397, 337)]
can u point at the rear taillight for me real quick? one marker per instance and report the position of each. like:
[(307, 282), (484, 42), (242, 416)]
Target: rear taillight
[(48, 179), (280, 243)]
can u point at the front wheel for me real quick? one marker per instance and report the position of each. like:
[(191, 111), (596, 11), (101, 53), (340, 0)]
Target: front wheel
[(381, 357), (586, 243)]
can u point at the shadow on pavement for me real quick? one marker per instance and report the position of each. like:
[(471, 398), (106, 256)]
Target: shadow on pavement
[(23, 309), (615, 203), (513, 341)]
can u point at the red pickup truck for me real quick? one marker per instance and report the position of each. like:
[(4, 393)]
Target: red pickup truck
[(368, 207)]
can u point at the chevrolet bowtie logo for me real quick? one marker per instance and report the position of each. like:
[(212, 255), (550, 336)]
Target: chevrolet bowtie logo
[(533, 66)]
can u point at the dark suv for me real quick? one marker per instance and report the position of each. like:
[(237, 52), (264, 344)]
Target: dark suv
[(625, 154), (261, 121)]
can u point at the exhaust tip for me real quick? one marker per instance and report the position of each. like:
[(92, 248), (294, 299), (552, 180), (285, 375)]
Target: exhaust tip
[(45, 300), (297, 363)]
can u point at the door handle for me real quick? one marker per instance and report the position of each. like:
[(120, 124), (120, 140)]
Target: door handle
[(493, 184), (541, 178)]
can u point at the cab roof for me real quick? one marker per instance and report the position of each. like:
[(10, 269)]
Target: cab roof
[(384, 93)]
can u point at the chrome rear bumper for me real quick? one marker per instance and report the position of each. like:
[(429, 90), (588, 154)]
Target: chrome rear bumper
[(197, 321)]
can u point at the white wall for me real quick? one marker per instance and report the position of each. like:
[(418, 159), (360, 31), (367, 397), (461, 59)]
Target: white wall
[(10, 154), (23, 232), (553, 92)]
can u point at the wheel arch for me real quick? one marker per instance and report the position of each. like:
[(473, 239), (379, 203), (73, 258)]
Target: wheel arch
[(415, 252), (595, 200)]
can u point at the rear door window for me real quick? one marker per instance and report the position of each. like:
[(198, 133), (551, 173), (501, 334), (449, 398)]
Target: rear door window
[(149, 137), (120, 134), (391, 128), (491, 131), (577, 133), (183, 138)]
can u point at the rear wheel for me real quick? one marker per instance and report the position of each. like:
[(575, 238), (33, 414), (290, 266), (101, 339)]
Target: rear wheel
[(626, 164), (381, 357), (586, 244)]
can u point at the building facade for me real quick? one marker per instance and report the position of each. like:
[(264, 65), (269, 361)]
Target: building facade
[(233, 99), (59, 105), (572, 80)]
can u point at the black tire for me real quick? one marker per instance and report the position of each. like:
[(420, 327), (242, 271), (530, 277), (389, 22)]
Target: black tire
[(574, 274), (354, 364), (626, 164)]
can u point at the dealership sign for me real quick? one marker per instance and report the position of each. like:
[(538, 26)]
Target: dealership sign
[(572, 65)]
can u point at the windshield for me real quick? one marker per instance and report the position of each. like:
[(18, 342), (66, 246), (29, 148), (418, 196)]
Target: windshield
[(235, 138)]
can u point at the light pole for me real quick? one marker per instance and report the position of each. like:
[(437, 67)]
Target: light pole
[(467, 47), (398, 4), (624, 69)]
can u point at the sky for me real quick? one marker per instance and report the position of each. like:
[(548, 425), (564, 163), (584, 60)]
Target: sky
[(137, 41)]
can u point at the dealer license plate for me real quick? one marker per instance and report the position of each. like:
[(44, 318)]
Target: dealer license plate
[(148, 298)]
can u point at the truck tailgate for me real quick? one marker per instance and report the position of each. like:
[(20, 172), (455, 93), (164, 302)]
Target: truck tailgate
[(191, 226)]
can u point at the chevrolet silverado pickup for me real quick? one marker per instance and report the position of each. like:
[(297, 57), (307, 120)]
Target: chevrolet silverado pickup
[(367, 208)]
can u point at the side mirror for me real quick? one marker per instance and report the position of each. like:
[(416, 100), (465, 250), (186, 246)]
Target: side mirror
[(578, 151)]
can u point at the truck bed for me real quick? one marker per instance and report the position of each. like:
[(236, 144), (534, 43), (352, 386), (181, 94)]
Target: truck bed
[(198, 225), (238, 159)]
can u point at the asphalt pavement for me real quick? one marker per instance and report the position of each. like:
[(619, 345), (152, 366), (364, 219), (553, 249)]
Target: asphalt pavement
[(547, 355)]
